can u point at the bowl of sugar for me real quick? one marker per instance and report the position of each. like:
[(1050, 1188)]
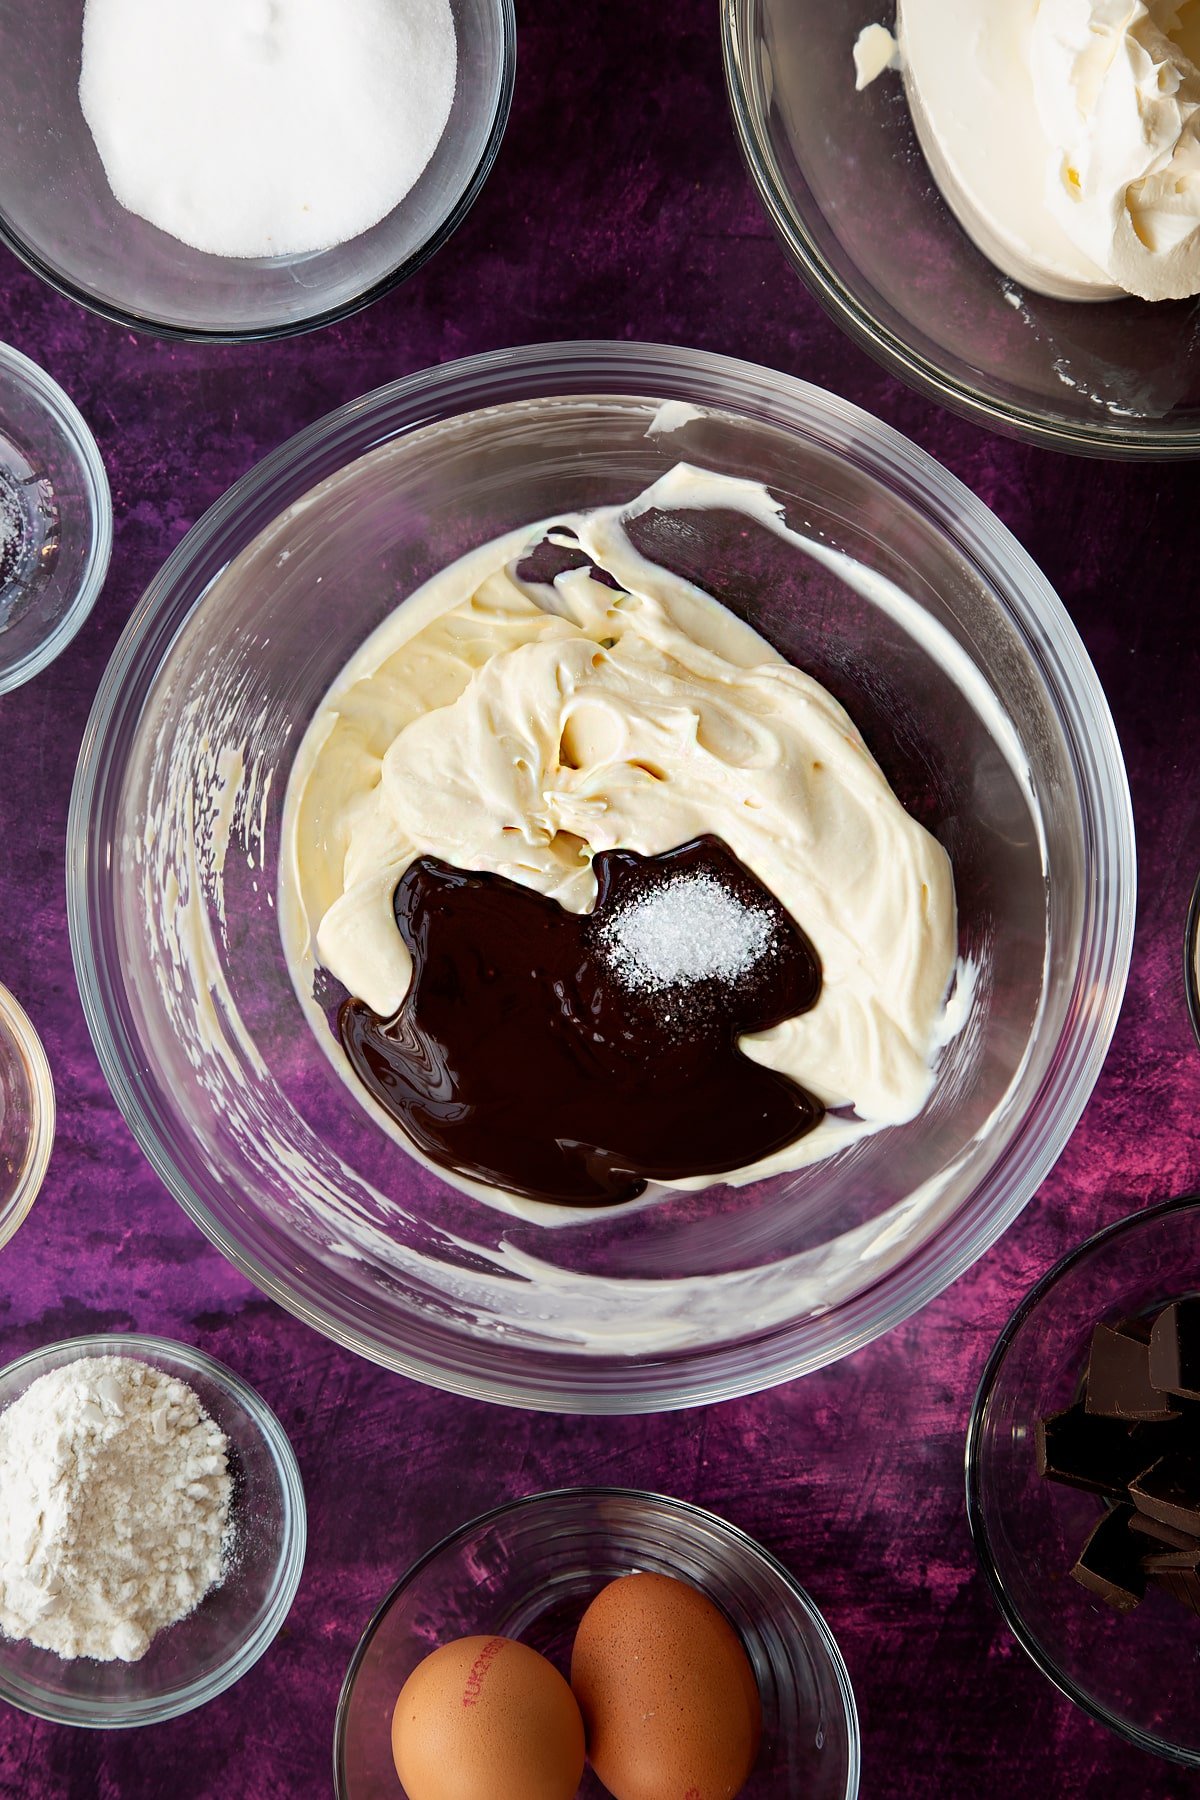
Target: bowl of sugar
[(244, 170)]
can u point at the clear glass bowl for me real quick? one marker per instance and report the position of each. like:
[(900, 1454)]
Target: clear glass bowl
[(191, 1662), (55, 519), (58, 213), (26, 1115), (972, 689), (529, 1569), (1191, 960), (845, 184), (1139, 1672)]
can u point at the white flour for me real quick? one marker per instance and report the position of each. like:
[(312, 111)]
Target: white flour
[(114, 1508), (257, 128)]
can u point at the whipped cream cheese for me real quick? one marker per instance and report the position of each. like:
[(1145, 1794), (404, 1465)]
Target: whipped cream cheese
[(1065, 136), (875, 49), (967, 74), (518, 726), (1117, 84)]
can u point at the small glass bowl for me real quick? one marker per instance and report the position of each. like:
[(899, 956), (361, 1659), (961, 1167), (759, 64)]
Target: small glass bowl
[(842, 179), (26, 1114), (59, 215), (1191, 961), (191, 1662), (529, 1569), (55, 520), (1138, 1673)]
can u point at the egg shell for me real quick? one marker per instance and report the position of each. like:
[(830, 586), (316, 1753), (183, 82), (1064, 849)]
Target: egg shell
[(668, 1697), (487, 1718)]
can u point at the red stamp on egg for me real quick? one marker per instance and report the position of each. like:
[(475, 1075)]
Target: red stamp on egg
[(479, 1669)]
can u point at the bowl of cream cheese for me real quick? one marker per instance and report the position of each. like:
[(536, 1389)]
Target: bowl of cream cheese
[(1038, 167), (245, 170), (601, 876)]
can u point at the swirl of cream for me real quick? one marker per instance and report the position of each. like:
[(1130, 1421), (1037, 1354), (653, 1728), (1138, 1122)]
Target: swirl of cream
[(1118, 93)]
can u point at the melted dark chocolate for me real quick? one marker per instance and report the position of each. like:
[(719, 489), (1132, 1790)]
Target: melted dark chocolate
[(521, 1056)]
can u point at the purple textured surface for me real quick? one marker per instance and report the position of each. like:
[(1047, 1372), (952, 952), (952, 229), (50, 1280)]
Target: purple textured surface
[(618, 208)]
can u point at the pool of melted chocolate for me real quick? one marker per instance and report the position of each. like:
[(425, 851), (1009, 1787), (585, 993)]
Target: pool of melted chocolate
[(526, 1057)]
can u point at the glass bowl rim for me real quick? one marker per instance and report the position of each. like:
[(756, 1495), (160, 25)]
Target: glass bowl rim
[(581, 369), (1191, 948), (63, 412), (15, 1020), (688, 1510), (973, 1460), (293, 1536), (154, 327), (1108, 441)]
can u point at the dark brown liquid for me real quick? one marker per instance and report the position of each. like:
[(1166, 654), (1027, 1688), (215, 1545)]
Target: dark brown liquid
[(521, 1056)]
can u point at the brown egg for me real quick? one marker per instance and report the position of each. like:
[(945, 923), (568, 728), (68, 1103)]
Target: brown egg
[(667, 1693), (486, 1718)]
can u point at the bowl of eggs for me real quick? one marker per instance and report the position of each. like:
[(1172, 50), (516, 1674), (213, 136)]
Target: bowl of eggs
[(597, 1641), (262, 171)]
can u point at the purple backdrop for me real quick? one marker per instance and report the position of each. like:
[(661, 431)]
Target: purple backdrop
[(618, 208)]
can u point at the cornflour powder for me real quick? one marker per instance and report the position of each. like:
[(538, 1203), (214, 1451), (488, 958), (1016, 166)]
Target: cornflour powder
[(114, 1508)]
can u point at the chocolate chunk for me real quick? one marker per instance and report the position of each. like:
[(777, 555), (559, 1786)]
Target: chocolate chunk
[(1175, 1350), (1102, 1455), (1118, 1378), (1170, 1491), (1158, 1533), (1181, 1586), (1110, 1563), (1182, 1562)]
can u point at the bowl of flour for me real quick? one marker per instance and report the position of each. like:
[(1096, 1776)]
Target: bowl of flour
[(152, 1534), (240, 169)]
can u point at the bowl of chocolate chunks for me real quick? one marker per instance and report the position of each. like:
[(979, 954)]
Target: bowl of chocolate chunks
[(1083, 1477)]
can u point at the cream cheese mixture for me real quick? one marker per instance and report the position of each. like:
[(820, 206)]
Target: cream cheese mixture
[(1064, 135), (519, 727)]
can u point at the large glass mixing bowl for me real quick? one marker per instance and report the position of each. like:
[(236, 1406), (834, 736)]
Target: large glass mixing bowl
[(843, 180), (970, 685)]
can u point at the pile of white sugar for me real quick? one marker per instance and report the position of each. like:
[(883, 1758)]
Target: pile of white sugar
[(114, 1508), (687, 930), (256, 128), (10, 530)]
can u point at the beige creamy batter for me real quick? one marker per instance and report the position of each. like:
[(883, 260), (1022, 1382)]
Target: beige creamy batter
[(517, 727)]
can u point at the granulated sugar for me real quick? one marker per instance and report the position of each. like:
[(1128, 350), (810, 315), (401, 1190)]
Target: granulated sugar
[(257, 128), (114, 1508), (685, 931), (10, 531)]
